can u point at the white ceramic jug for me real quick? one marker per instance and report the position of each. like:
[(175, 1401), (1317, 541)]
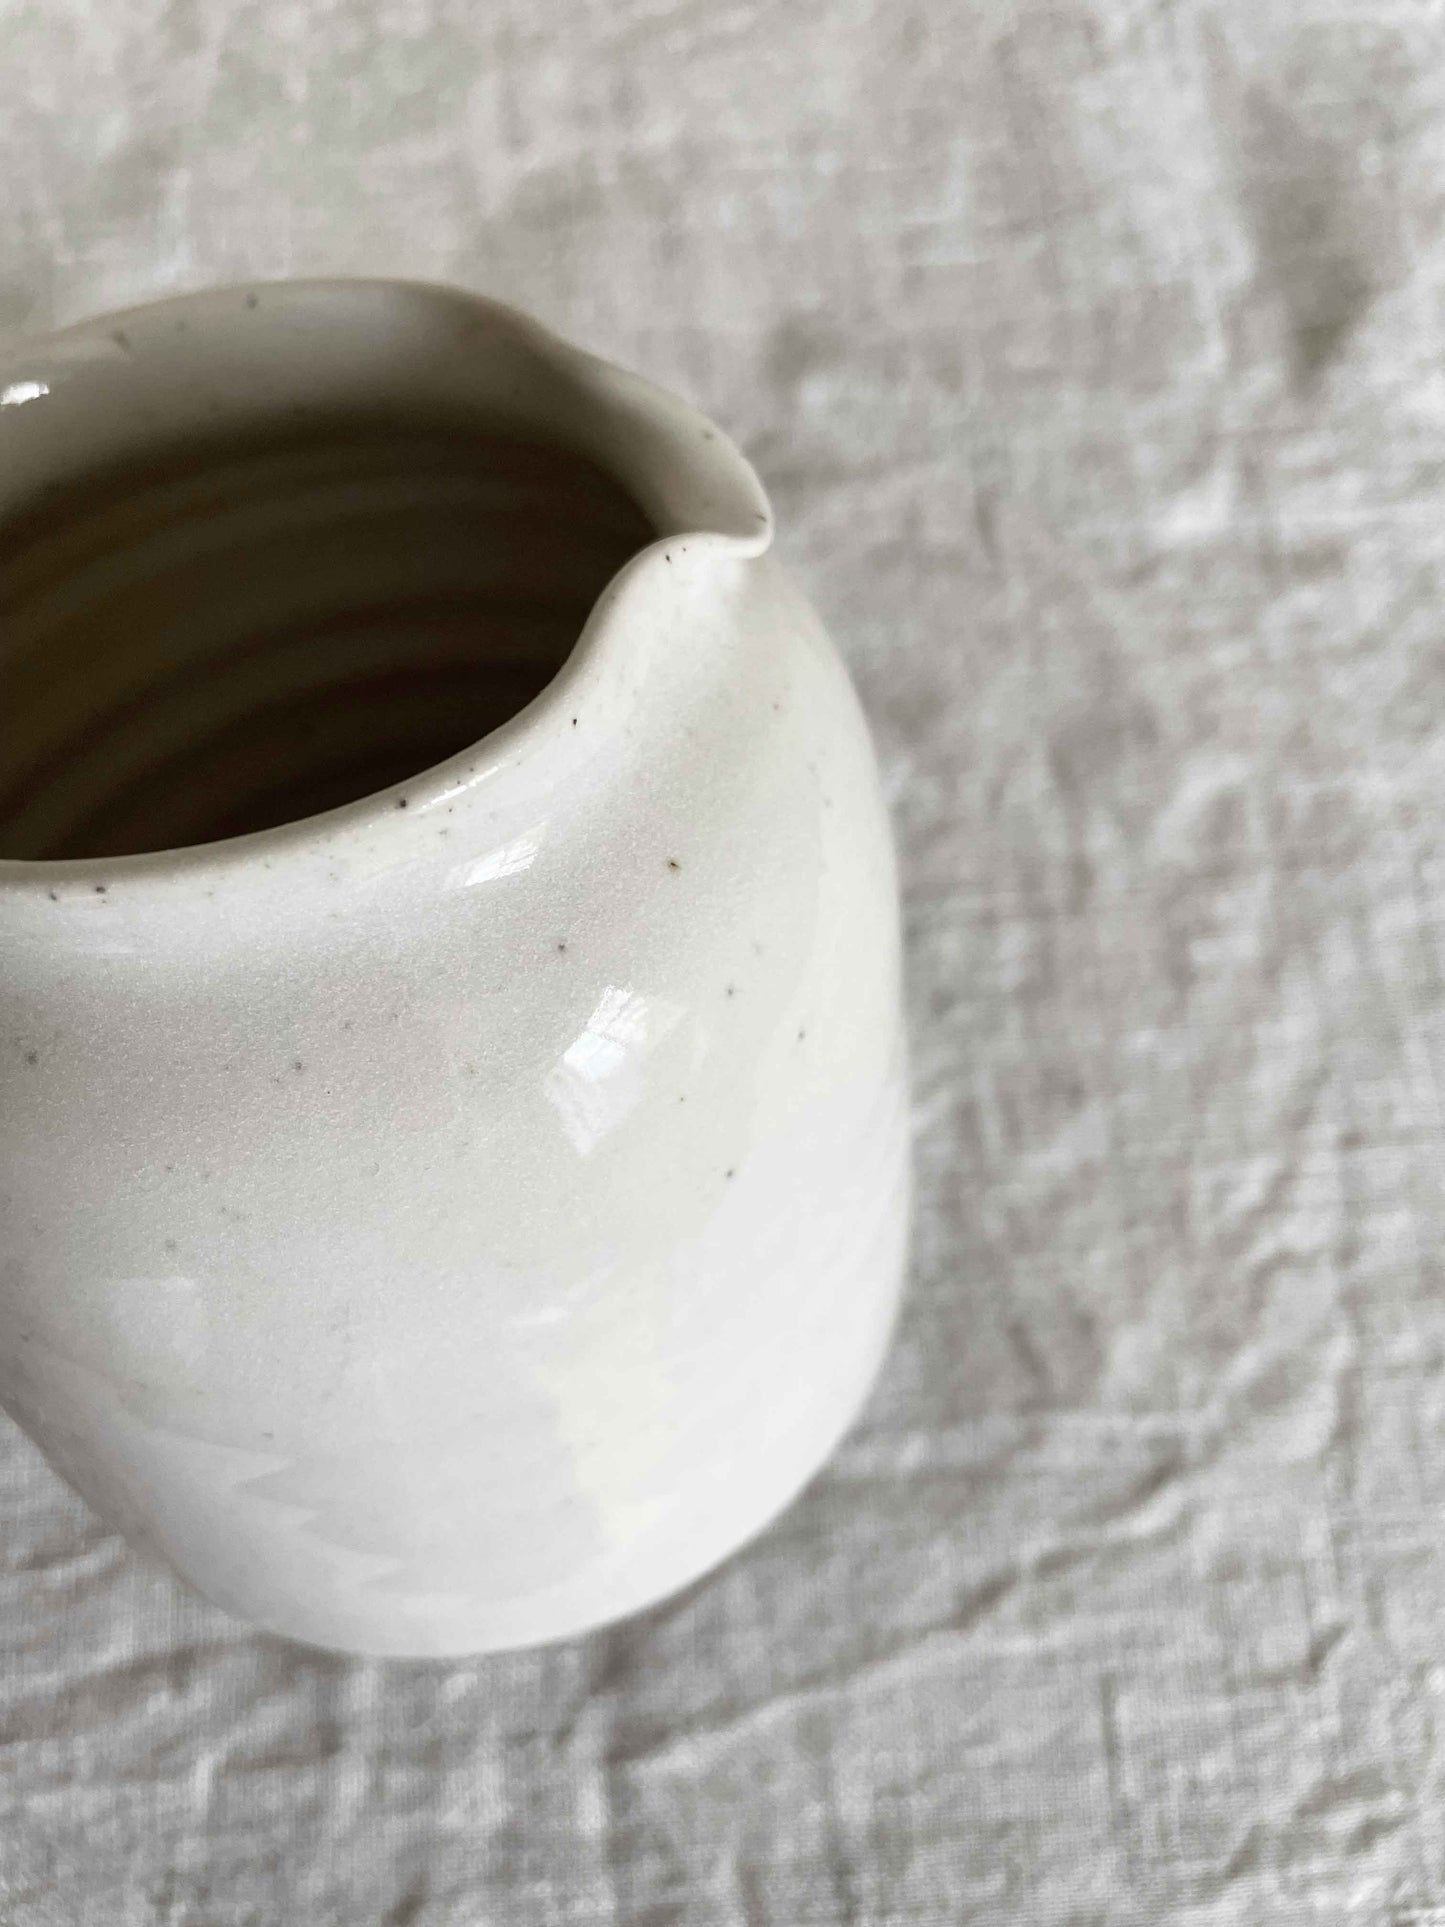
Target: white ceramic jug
[(452, 1124)]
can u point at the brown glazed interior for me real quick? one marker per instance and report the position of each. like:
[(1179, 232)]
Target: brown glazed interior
[(244, 632)]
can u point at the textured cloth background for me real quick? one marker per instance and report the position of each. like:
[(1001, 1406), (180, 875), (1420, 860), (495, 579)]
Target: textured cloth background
[(1092, 352)]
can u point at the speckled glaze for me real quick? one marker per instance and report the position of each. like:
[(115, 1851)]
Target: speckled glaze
[(462, 1217)]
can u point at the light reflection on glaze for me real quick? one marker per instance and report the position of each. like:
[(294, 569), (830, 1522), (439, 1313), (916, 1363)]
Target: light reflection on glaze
[(508, 860), (599, 1079)]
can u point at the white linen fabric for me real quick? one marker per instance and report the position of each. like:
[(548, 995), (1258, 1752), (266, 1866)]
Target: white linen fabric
[(1092, 353)]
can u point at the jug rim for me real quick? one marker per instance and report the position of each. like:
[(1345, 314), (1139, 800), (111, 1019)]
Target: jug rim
[(694, 484)]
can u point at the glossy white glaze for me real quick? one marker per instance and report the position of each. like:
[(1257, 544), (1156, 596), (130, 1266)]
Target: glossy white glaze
[(446, 1227)]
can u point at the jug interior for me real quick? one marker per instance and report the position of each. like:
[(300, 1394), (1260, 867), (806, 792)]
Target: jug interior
[(245, 630)]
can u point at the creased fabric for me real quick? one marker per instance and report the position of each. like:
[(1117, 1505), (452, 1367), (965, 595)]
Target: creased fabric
[(1092, 352)]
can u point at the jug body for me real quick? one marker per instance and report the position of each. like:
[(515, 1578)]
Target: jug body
[(462, 1214)]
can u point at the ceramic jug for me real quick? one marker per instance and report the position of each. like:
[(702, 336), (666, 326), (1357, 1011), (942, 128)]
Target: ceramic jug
[(453, 1139)]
